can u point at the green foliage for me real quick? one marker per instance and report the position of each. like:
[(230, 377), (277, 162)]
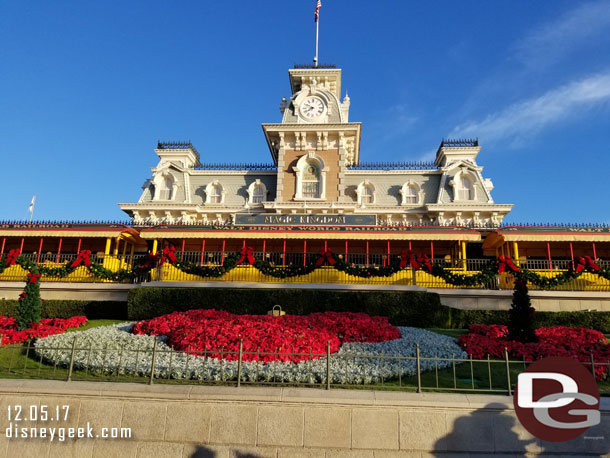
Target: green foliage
[(29, 307), (67, 308), (403, 308), (521, 325), (204, 271), (407, 308)]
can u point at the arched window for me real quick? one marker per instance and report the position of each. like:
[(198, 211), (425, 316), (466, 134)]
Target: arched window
[(311, 181), (367, 195), (466, 189), (257, 192), (411, 193), (167, 185), (214, 193), (310, 174), (258, 195), (164, 186)]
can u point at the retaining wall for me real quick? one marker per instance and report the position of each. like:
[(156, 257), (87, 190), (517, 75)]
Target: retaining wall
[(250, 422)]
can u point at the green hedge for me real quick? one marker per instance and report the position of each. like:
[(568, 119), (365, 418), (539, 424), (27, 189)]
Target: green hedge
[(593, 320), (401, 307), (65, 309)]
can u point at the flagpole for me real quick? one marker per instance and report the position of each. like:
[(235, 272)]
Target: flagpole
[(315, 60)]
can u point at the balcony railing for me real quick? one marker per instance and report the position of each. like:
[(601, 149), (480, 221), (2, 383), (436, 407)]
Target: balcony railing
[(248, 274)]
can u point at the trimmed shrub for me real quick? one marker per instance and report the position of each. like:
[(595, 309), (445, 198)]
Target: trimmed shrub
[(403, 308), (68, 308)]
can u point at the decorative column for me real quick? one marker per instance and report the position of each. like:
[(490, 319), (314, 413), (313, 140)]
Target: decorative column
[(516, 253), (58, 249), (39, 250)]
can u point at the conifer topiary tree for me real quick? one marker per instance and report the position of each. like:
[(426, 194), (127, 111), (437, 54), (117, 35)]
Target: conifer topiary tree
[(29, 308), (521, 324)]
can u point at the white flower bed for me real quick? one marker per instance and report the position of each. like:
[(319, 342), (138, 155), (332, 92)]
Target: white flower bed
[(113, 349)]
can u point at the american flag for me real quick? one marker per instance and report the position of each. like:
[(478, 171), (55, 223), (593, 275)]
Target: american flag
[(317, 12)]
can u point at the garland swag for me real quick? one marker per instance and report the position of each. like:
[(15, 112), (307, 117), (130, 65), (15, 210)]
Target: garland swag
[(30, 303), (406, 259)]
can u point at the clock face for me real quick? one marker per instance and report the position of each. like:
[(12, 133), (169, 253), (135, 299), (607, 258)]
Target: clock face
[(312, 107)]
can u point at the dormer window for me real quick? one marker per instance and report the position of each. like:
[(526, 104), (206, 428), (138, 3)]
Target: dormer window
[(466, 189), (257, 192), (258, 195), (214, 193), (365, 193), (164, 186), (411, 197), (411, 193), (463, 186)]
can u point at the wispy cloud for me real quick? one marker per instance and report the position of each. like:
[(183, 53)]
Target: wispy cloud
[(394, 122), (524, 118), (575, 28)]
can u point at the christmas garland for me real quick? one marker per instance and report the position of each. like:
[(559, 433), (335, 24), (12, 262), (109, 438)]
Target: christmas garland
[(583, 264), (487, 275), (29, 308)]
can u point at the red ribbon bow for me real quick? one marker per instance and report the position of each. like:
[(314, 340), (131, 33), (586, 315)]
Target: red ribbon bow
[(169, 253), (150, 263), (326, 257), (422, 259), (246, 254), (404, 258), (84, 257), (11, 257), (591, 264), (505, 262), (23, 295), (33, 278)]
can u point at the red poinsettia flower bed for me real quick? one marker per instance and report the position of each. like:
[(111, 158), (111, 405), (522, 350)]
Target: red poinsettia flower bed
[(46, 327), (578, 343), (220, 332)]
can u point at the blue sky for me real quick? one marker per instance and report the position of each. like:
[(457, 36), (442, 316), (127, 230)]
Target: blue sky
[(87, 88)]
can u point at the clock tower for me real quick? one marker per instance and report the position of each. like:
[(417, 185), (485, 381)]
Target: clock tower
[(314, 144)]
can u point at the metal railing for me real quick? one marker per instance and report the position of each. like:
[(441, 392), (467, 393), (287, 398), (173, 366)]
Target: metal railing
[(154, 365), (80, 274), (328, 275)]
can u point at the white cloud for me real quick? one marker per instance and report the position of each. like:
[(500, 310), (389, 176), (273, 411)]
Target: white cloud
[(527, 117), (575, 28)]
